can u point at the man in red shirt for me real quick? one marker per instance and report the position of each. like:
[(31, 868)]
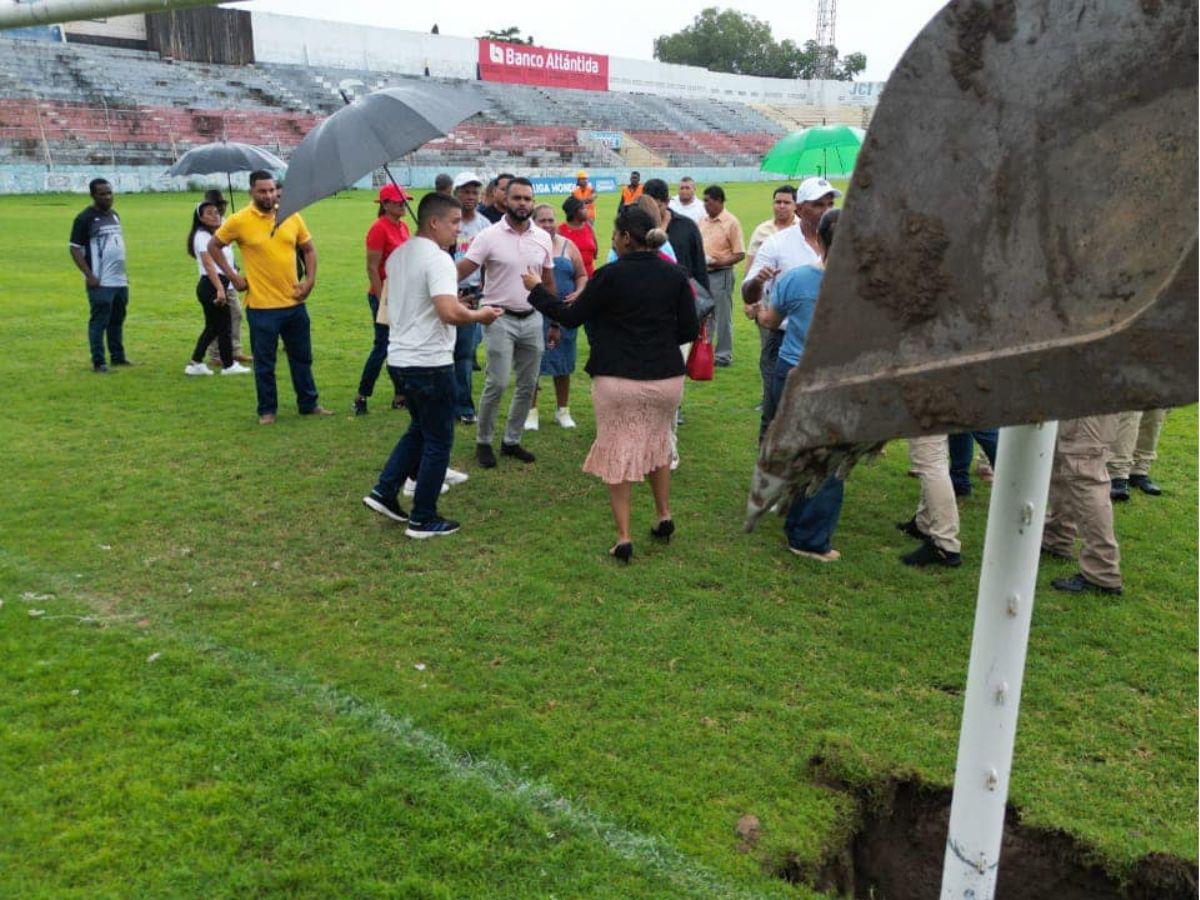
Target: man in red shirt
[(386, 233)]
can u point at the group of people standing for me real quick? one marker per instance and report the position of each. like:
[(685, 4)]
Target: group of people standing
[(488, 264)]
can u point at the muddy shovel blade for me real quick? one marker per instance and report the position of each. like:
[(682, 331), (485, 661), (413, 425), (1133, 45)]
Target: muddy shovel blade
[(1018, 243)]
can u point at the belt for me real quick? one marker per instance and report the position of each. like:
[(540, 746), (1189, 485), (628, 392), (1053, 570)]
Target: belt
[(525, 314)]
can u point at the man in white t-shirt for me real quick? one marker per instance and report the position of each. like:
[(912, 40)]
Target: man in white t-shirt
[(787, 249), (685, 203), (423, 307)]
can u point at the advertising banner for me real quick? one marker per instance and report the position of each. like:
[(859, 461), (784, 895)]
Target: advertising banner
[(564, 185), (609, 139), (522, 64)]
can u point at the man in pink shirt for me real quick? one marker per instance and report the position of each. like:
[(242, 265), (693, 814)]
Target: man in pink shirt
[(506, 251)]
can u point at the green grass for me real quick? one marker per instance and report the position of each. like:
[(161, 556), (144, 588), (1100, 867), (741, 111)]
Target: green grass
[(337, 710)]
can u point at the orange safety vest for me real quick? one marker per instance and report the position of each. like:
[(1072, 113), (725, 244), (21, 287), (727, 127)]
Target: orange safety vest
[(628, 197), (586, 196)]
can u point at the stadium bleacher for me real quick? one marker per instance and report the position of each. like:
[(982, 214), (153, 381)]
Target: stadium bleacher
[(68, 103)]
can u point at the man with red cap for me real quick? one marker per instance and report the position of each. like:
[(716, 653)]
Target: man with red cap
[(386, 233)]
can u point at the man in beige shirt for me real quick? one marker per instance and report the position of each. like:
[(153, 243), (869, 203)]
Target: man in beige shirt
[(723, 249)]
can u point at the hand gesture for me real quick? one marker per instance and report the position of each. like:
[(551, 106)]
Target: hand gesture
[(302, 290), (531, 279), (489, 314), (221, 298), (239, 281), (553, 337), (765, 274), (571, 297), (91, 281)]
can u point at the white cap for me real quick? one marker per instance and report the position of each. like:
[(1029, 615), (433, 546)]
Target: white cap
[(465, 178), (814, 189)]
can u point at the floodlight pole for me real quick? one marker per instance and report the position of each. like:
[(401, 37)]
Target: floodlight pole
[(1024, 459)]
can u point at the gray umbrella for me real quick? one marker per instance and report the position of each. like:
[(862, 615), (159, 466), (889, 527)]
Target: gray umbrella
[(369, 133), (227, 157)]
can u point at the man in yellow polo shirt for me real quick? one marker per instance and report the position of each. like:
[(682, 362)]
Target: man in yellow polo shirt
[(273, 294)]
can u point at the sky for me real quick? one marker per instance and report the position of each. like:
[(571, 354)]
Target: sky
[(881, 29)]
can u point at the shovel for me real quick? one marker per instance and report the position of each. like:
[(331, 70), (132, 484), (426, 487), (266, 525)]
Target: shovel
[(1018, 245)]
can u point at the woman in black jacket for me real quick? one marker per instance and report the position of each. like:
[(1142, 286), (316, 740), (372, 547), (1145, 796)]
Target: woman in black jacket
[(638, 310)]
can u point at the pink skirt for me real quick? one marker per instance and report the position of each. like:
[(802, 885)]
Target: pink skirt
[(633, 427)]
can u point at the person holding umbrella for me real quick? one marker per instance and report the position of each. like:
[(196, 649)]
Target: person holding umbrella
[(275, 298), (386, 233)]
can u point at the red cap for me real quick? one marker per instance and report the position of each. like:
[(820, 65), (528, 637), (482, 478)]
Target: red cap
[(394, 193)]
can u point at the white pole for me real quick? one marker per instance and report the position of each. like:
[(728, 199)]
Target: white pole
[(47, 12), (1024, 458)]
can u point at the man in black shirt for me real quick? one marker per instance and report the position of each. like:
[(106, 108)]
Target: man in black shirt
[(495, 210), (98, 249), (682, 232)]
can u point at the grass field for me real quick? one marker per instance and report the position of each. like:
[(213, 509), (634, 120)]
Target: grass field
[(220, 675)]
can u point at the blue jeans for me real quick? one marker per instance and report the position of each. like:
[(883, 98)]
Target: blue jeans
[(464, 364), (811, 520), (962, 449), (771, 339), (378, 354), (107, 318), (291, 324), (424, 451)]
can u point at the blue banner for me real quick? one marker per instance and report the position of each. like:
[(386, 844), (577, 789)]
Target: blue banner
[(565, 184)]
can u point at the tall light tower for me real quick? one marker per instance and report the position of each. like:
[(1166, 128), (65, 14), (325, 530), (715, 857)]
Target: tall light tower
[(826, 39)]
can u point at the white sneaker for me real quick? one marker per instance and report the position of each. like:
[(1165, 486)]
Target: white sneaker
[(453, 477), (563, 417), (236, 369), (674, 460), (531, 420), (410, 487), (197, 368)]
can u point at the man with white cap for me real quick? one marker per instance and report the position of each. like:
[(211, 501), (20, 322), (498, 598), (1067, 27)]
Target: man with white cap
[(787, 249), (466, 189)]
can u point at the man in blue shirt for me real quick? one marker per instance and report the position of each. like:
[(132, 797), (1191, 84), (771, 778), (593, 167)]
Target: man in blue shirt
[(98, 249)]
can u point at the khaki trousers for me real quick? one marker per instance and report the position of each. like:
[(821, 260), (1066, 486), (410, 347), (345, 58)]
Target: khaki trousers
[(937, 513), (235, 329), (1080, 505), (1136, 444)]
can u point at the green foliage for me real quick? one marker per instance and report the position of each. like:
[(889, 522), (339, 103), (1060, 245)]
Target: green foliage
[(510, 35), (725, 40), (339, 711)]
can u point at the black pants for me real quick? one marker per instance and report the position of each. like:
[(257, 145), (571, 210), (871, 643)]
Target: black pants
[(217, 323)]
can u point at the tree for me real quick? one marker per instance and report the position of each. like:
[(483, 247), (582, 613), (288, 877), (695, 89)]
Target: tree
[(510, 35), (725, 40)]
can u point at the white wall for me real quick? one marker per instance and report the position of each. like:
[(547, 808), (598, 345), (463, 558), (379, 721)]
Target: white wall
[(129, 28), (290, 39)]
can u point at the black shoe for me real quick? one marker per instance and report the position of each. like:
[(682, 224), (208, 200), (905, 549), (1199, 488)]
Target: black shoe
[(910, 528), (387, 508), (468, 419), (100, 369), (964, 491), (930, 554), (1120, 490), (622, 552), (1056, 554), (516, 451), (663, 530), (122, 362), (1145, 485), (722, 363), (1077, 584), (433, 528), (360, 406), (485, 456)]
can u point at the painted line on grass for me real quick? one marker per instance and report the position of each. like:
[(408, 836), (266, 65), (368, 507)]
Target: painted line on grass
[(653, 853)]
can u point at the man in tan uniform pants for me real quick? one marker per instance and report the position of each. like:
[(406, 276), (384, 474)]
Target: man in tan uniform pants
[(936, 521), (1080, 506), (1135, 447)]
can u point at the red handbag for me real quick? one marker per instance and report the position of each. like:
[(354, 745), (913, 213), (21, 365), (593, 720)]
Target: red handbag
[(700, 359)]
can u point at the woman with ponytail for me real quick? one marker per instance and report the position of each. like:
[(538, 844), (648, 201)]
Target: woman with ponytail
[(638, 310)]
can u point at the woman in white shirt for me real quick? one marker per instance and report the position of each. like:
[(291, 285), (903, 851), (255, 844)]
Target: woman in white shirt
[(210, 291)]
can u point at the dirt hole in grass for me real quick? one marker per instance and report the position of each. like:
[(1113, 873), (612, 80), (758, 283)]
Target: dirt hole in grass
[(896, 853)]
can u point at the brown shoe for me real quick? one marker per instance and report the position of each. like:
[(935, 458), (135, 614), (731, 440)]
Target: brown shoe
[(318, 411), (266, 419), (243, 358)]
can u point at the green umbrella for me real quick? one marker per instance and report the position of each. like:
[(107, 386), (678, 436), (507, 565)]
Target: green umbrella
[(823, 150)]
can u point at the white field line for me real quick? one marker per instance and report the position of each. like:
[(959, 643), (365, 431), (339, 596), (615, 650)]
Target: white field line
[(652, 853)]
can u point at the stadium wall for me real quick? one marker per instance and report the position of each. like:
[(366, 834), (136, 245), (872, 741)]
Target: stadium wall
[(37, 179)]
